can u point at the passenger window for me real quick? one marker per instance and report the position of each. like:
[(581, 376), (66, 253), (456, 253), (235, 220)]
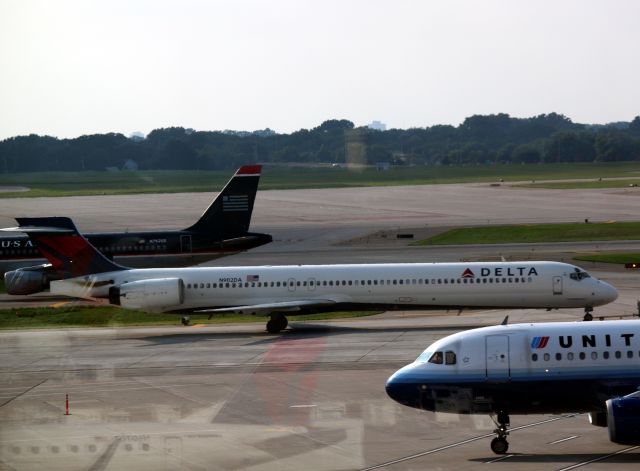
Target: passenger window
[(582, 355), (605, 355), (534, 357), (436, 358), (570, 356), (629, 354), (547, 357), (558, 356), (618, 355), (594, 355)]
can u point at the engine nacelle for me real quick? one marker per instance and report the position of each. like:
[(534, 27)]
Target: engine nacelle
[(148, 295), (29, 280), (623, 417), (599, 419)]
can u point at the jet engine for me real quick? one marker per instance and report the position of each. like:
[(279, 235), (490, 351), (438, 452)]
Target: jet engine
[(148, 295), (623, 417), (29, 280)]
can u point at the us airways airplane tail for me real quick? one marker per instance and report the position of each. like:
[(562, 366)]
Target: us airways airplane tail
[(276, 290), (531, 369), (223, 229)]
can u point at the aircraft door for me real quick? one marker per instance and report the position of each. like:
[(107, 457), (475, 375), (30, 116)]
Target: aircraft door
[(185, 243), (557, 285), (311, 284), (498, 365), (291, 284)]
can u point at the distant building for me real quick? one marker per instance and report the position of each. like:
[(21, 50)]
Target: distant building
[(137, 136), (377, 125), (130, 165)]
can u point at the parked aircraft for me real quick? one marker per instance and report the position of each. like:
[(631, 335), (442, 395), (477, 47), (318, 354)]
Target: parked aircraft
[(531, 369), (276, 290), (221, 230)]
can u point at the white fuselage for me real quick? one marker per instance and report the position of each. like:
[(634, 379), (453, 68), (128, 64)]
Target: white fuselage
[(524, 368), (400, 286)]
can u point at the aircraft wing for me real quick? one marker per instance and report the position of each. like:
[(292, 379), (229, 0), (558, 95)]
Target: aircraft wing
[(266, 308)]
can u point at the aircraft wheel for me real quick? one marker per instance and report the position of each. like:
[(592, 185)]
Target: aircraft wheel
[(273, 326), (499, 445), (284, 322), (588, 317), (185, 320)]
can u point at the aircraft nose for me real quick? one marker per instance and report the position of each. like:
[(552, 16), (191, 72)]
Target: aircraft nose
[(397, 390), (609, 293), (402, 389)]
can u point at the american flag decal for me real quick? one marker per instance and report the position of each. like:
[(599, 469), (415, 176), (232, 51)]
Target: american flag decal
[(235, 203), (253, 278), (539, 342)]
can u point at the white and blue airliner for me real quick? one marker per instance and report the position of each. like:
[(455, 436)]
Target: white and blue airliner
[(531, 369)]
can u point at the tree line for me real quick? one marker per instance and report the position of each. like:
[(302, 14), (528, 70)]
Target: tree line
[(480, 139)]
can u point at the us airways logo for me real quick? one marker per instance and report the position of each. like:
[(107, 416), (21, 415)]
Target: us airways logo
[(539, 342)]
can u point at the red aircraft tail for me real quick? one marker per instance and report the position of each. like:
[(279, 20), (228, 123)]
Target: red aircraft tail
[(66, 249)]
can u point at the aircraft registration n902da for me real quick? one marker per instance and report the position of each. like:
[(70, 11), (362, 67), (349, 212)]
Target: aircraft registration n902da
[(276, 290), (531, 369)]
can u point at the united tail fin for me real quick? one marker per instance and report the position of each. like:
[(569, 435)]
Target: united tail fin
[(67, 250), (229, 214)]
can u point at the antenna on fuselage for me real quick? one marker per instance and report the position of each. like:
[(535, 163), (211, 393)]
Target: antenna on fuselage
[(505, 321)]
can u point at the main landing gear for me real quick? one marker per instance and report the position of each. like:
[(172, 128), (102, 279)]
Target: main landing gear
[(277, 323), (185, 320), (500, 445), (587, 314)]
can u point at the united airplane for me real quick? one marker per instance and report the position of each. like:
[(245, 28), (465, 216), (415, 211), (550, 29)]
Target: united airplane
[(531, 369), (223, 229), (277, 290)]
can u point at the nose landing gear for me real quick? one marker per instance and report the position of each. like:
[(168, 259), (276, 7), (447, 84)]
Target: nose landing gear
[(587, 314), (500, 445)]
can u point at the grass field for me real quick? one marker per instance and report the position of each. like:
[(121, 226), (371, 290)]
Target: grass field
[(536, 233), (92, 183), (87, 316)]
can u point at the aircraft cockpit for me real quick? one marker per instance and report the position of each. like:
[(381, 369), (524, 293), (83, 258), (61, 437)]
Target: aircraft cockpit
[(447, 358), (579, 275)]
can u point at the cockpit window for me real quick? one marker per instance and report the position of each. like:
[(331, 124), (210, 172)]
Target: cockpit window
[(449, 358), (436, 358), (579, 275)]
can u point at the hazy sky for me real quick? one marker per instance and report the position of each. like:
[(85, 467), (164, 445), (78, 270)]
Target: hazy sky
[(79, 67)]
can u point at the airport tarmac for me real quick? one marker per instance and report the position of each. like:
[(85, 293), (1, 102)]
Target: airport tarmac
[(234, 397)]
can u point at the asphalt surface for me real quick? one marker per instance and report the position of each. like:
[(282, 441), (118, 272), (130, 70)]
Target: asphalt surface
[(234, 397)]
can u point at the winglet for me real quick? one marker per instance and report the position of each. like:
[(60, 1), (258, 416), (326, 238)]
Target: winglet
[(505, 321), (67, 250)]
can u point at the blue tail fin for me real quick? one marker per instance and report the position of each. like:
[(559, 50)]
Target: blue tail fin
[(229, 214)]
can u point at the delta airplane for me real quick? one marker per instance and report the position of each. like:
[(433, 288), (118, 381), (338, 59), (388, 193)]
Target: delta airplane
[(276, 290), (531, 369), (221, 230)]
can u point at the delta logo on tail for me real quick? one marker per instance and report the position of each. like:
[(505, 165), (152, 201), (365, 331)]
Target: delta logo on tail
[(468, 274)]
